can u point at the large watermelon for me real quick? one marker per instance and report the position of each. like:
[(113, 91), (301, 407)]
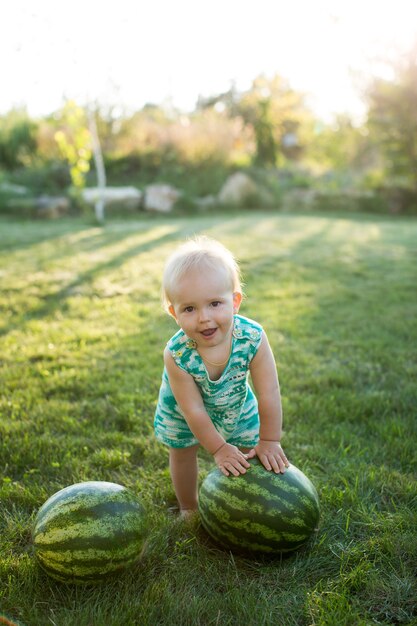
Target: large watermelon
[(89, 531), (260, 511)]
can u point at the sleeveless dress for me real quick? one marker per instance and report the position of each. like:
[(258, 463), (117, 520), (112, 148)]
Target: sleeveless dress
[(229, 401)]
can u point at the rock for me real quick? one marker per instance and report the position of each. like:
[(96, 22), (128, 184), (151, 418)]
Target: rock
[(299, 199), (160, 198), (16, 190), (238, 189), (347, 200), (52, 207), (207, 202), (127, 198), (22, 205)]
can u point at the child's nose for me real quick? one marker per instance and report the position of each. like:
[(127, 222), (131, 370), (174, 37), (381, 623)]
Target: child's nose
[(204, 314)]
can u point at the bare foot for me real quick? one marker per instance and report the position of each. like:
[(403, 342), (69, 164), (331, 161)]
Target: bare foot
[(188, 514)]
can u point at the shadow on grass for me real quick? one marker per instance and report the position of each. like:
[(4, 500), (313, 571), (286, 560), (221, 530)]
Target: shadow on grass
[(18, 235), (52, 302)]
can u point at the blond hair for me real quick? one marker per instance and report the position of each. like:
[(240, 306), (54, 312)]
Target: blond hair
[(196, 253)]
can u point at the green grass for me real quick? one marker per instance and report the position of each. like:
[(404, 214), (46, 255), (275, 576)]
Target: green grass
[(81, 340)]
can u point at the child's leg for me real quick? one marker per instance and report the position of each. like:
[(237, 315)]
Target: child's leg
[(184, 473)]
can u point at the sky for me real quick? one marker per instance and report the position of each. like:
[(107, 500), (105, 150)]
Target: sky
[(131, 52)]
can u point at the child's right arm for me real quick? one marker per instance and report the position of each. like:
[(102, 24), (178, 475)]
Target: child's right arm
[(228, 457)]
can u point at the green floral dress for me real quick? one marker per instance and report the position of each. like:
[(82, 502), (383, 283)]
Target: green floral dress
[(229, 401)]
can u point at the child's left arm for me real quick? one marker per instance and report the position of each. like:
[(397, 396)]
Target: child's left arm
[(265, 381)]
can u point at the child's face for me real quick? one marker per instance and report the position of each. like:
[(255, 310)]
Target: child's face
[(204, 304)]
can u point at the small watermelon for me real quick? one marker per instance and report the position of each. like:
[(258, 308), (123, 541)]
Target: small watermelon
[(89, 531), (260, 511)]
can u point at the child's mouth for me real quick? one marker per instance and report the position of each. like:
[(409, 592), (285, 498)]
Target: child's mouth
[(209, 332)]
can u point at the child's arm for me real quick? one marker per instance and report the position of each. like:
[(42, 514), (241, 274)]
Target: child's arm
[(228, 457), (265, 381)]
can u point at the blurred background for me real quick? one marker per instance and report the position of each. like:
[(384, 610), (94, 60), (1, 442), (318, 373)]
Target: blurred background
[(314, 105)]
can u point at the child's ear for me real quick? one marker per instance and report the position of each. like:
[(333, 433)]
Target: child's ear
[(172, 312), (237, 299)]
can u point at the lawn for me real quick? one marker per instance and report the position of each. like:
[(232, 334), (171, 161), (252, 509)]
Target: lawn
[(81, 338)]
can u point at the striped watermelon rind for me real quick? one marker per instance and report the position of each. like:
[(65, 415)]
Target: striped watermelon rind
[(89, 531), (260, 511)]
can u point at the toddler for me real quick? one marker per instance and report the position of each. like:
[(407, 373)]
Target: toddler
[(205, 398)]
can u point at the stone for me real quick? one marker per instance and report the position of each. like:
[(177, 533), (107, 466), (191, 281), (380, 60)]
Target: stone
[(299, 199), (16, 190), (127, 198), (161, 198), (52, 207), (238, 189), (207, 202)]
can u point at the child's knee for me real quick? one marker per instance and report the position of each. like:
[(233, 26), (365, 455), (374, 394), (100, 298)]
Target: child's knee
[(183, 454)]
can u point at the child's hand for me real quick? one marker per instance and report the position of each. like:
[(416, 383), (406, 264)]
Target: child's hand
[(230, 460), (272, 456)]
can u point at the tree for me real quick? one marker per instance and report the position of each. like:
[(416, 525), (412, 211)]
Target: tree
[(273, 110), (276, 113), (78, 142), (74, 142), (392, 119), (341, 147), (17, 139)]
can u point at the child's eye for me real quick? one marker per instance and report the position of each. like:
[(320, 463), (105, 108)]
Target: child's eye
[(189, 309), (215, 303)]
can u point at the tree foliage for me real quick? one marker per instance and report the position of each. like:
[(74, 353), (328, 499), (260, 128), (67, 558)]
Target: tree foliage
[(392, 119), (17, 139), (74, 142), (273, 110), (276, 112), (341, 146)]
